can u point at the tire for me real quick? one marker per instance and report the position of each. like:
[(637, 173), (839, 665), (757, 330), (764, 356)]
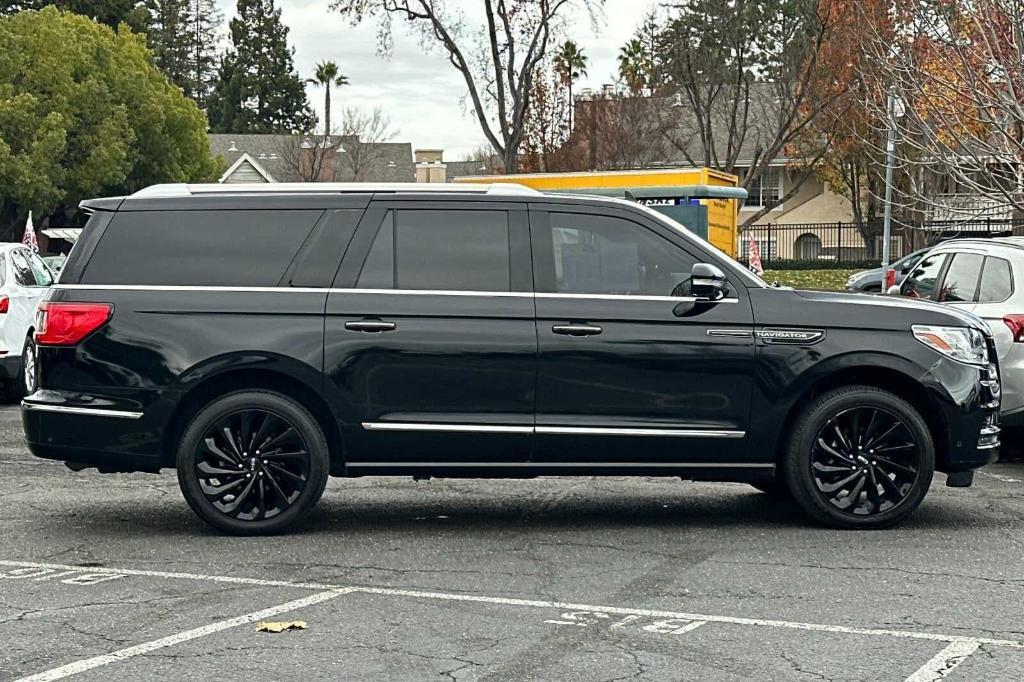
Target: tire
[(18, 387), (839, 482), (775, 487), (236, 490)]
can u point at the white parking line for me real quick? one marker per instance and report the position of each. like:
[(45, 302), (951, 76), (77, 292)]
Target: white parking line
[(944, 662), (141, 649), (959, 646)]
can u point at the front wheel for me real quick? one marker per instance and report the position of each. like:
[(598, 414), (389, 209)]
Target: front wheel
[(859, 457), (253, 463)]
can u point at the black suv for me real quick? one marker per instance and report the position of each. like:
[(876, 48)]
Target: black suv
[(261, 339)]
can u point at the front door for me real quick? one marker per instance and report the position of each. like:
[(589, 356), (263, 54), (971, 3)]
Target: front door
[(631, 370), (430, 344)]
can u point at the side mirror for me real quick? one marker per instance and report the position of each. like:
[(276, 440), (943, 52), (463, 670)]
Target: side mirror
[(894, 290), (708, 282)]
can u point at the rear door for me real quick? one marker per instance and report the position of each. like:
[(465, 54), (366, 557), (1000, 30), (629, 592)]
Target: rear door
[(30, 282), (430, 348), (631, 370)]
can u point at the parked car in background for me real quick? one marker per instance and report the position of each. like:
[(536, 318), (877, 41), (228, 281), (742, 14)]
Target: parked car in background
[(980, 276), (24, 282), (871, 280), (483, 331), (55, 263)]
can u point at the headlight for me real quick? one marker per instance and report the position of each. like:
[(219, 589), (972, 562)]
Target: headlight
[(963, 344)]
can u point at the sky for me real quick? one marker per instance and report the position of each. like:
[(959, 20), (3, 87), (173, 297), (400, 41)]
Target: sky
[(421, 92)]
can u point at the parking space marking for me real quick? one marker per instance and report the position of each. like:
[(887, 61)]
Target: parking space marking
[(958, 648), (944, 662), (164, 642), (173, 576)]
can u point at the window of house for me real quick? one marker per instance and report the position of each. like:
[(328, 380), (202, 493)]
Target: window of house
[(605, 255), (444, 250), (765, 190)]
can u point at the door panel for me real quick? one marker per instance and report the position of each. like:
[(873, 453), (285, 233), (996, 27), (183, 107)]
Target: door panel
[(663, 380), (433, 375)]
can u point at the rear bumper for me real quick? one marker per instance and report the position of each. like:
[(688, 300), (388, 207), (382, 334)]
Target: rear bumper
[(111, 437)]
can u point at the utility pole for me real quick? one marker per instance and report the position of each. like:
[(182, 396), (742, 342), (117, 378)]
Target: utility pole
[(890, 162)]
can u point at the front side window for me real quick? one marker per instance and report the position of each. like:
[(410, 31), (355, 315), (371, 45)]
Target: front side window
[(923, 281), (961, 281), (605, 255), (440, 250), (996, 281)]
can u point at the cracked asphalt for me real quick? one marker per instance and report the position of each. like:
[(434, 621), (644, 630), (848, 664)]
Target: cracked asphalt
[(568, 579)]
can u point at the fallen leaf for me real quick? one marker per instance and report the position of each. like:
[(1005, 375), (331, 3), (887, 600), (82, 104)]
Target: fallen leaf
[(266, 626)]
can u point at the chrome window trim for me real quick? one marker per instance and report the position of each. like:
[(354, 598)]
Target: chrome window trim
[(566, 465), (390, 292), (84, 411), (552, 430)]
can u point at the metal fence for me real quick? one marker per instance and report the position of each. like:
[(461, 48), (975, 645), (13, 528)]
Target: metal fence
[(834, 245)]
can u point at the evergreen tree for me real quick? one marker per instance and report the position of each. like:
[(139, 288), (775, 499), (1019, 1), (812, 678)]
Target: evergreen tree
[(168, 37), (204, 31), (109, 12), (258, 89)]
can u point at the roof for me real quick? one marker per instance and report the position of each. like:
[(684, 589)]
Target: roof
[(277, 156)]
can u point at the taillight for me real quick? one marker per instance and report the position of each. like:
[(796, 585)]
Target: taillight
[(5, 304), (65, 324), (1016, 325)]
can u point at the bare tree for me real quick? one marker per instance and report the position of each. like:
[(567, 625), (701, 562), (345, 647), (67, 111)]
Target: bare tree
[(363, 134), (497, 62), (739, 75), (956, 71)]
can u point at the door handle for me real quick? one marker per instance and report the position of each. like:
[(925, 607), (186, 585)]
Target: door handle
[(370, 326), (576, 329)]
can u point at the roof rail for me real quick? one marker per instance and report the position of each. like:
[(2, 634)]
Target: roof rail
[(183, 190)]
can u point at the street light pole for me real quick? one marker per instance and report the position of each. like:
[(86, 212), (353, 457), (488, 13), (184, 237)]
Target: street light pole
[(890, 161)]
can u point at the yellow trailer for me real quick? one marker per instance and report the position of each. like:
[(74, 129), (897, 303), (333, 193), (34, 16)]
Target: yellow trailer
[(706, 201)]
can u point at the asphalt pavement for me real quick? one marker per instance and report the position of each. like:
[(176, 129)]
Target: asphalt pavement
[(111, 577)]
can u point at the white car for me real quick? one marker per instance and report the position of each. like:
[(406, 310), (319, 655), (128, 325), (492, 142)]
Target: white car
[(24, 281), (984, 277)]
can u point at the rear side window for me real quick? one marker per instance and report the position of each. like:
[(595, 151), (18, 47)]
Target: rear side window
[(961, 282), (996, 281), (23, 272), (440, 250), (923, 281), (199, 248)]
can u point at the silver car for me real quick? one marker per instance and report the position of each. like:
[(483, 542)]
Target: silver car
[(985, 277)]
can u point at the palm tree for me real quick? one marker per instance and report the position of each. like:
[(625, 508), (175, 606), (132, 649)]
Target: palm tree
[(634, 65), (327, 74), (570, 64)]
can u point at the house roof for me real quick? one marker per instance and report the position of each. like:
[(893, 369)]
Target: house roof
[(277, 156)]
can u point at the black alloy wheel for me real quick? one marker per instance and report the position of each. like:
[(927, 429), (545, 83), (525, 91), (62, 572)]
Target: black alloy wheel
[(252, 462), (865, 460), (859, 457), (252, 465)]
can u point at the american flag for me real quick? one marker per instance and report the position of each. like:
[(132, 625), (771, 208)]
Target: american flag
[(29, 238), (754, 260)]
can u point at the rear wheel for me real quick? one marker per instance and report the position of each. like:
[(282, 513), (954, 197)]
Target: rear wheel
[(859, 457), (253, 463), (25, 383)]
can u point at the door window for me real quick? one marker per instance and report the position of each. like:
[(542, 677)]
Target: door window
[(961, 281), (921, 283), (996, 282), (592, 254), (442, 250)]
